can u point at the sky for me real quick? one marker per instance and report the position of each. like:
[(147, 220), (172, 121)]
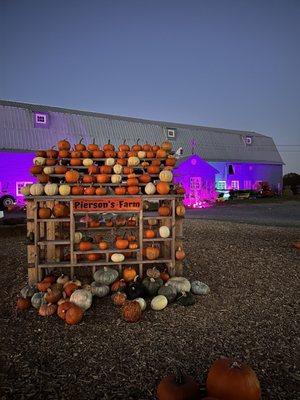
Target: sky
[(223, 63)]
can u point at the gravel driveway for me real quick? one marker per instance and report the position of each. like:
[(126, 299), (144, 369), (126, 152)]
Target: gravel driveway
[(251, 313)]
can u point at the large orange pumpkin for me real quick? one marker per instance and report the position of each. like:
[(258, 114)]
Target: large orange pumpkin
[(77, 190), (63, 145), (75, 162), (98, 154), (79, 146), (178, 387), (136, 147), (23, 304), (120, 190), (72, 176), (105, 169), (164, 211), (103, 178), (85, 246), (163, 188), (124, 146), (133, 190)]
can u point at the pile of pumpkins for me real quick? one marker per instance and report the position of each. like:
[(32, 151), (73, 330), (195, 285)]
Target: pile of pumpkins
[(227, 379), (69, 299), (109, 170)]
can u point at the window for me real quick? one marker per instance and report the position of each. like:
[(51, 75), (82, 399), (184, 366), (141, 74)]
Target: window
[(171, 133), (235, 185), (41, 120), (221, 185), (195, 183), (20, 185), (247, 185), (247, 140)]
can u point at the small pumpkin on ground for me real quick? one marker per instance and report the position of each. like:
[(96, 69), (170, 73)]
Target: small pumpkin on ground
[(118, 286), (180, 283), (159, 302), (119, 298), (47, 309), (99, 289), (131, 311), (43, 286), (198, 287), (82, 298), (186, 299), (53, 295), (142, 303), (38, 299), (74, 315), (23, 303), (178, 387), (169, 292), (152, 285)]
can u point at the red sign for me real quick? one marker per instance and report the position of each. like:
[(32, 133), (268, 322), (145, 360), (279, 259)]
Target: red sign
[(107, 204)]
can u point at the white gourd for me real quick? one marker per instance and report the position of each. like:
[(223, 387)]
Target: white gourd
[(180, 283), (62, 279), (77, 237), (39, 161), (48, 170), (150, 188), (64, 190), (164, 232), (159, 302), (37, 189), (25, 190), (166, 176), (133, 161), (116, 178), (51, 189), (82, 298), (118, 169), (141, 154), (142, 303), (87, 162), (198, 287), (117, 258), (110, 161)]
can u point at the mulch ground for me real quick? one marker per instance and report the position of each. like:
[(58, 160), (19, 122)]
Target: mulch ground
[(251, 313)]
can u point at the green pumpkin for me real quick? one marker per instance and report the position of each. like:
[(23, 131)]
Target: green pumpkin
[(99, 290), (28, 291), (152, 285), (37, 300), (169, 291), (186, 299), (106, 276)]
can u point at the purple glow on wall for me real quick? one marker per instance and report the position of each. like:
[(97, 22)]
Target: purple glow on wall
[(198, 179), (41, 119)]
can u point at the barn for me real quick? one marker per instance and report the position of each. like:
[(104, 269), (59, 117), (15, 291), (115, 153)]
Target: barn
[(209, 158)]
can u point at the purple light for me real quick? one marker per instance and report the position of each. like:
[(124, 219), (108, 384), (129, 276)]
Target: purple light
[(41, 120)]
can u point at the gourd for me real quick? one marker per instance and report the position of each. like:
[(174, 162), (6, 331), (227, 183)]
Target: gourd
[(166, 176), (164, 231), (62, 279), (152, 285), (77, 237), (159, 302), (36, 189), (48, 170), (129, 274), (116, 178), (119, 298), (43, 286), (163, 188), (39, 160), (47, 309), (51, 189), (64, 190), (131, 311), (44, 212), (118, 286), (169, 291), (165, 276), (198, 287), (118, 169), (106, 276), (52, 295), (27, 291), (110, 161), (179, 254), (178, 387), (180, 283), (153, 273), (23, 304), (166, 145), (133, 161), (87, 162), (180, 210), (38, 299), (61, 210), (186, 299), (152, 252), (70, 288), (142, 303), (150, 188), (63, 308), (82, 298), (74, 314), (63, 145), (230, 379), (25, 190), (99, 289), (135, 289), (141, 154), (117, 258)]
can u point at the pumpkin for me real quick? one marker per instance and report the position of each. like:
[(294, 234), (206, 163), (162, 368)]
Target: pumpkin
[(165, 276), (163, 188), (52, 295), (98, 154), (129, 274), (142, 303), (43, 286), (133, 190), (23, 304), (178, 387), (61, 210), (180, 210), (85, 246), (164, 231), (89, 191), (103, 178), (64, 154), (117, 258), (122, 244), (99, 289), (82, 298), (170, 161), (161, 153), (105, 169), (62, 279), (153, 273), (27, 291), (44, 212), (153, 169), (93, 169), (124, 146), (116, 178), (149, 233), (150, 188), (87, 162), (132, 181), (166, 176), (180, 283), (133, 161), (159, 302), (92, 146), (63, 145), (164, 211), (38, 299), (136, 147), (41, 153), (77, 190), (79, 146), (110, 161), (69, 288), (50, 161), (36, 189), (131, 311), (74, 314), (64, 190), (118, 285), (152, 221), (145, 178), (198, 287), (186, 299), (141, 154), (119, 299), (152, 252), (36, 169), (101, 191), (135, 289), (51, 189), (166, 145), (93, 257), (63, 308), (75, 162), (169, 291), (47, 309), (179, 254), (179, 189), (25, 190), (49, 278), (228, 379), (105, 275), (152, 285), (72, 176), (120, 190), (150, 154), (42, 178)]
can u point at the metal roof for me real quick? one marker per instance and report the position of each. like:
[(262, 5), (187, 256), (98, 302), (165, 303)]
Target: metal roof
[(17, 132)]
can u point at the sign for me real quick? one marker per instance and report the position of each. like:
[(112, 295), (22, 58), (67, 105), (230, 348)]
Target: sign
[(107, 204)]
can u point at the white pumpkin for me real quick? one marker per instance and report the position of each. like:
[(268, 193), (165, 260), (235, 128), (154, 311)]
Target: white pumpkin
[(141, 154), (51, 189), (118, 169), (62, 279), (133, 161), (198, 287), (39, 161), (117, 258), (180, 283), (37, 189), (82, 298), (99, 290), (116, 178), (142, 303), (150, 188), (152, 221), (166, 176), (77, 237), (164, 231), (159, 302), (64, 190), (87, 162), (110, 161), (25, 190), (48, 170)]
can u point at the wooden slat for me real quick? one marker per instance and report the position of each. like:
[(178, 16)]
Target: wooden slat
[(58, 242), (98, 251)]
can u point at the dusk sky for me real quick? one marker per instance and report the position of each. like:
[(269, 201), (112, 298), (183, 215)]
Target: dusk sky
[(224, 63)]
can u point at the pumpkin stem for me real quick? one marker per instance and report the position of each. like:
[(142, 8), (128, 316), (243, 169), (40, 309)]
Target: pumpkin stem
[(235, 364), (179, 376)]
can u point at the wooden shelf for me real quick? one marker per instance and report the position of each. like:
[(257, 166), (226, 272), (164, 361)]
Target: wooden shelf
[(111, 250), (127, 262), (156, 217), (169, 239), (59, 264), (104, 159), (58, 242), (129, 196), (54, 220), (106, 228)]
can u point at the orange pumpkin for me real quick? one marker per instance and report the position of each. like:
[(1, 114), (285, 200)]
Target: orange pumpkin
[(98, 154), (133, 246), (163, 188), (94, 223), (103, 178), (164, 211), (75, 162), (64, 154), (119, 299), (122, 161), (132, 182), (51, 153), (145, 178), (152, 252), (103, 245), (69, 288), (105, 169), (63, 308), (118, 285), (129, 273), (77, 190), (92, 146), (122, 244), (60, 169), (133, 190), (79, 146), (164, 276), (108, 146), (149, 233), (153, 169), (43, 286), (88, 178), (86, 154), (171, 161), (93, 257), (93, 169), (43, 178), (124, 146), (50, 162), (131, 311), (101, 191), (89, 191), (61, 210), (85, 246), (44, 212), (75, 154), (136, 147), (72, 176), (150, 154), (166, 145), (155, 147), (23, 304), (74, 315), (128, 170), (179, 254), (36, 169), (120, 190), (121, 154), (110, 154), (161, 153)]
